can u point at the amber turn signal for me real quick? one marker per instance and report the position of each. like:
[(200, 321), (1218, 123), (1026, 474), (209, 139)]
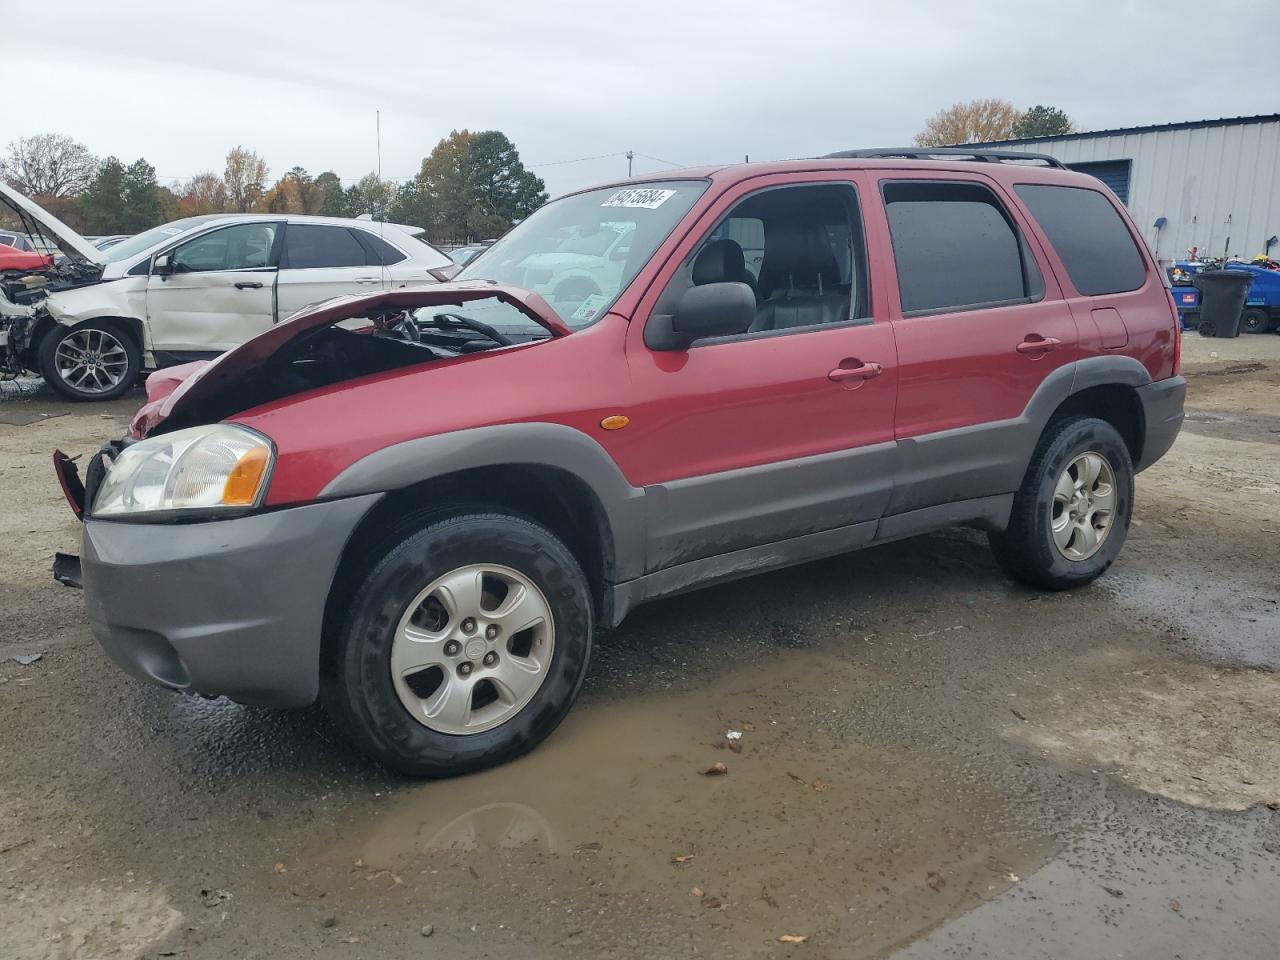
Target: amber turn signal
[(242, 485), (616, 422)]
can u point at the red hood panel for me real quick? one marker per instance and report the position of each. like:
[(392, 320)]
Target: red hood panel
[(182, 389)]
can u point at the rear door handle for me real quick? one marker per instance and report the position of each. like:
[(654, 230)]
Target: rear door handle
[(1036, 344), (368, 280), (248, 285), (854, 369)]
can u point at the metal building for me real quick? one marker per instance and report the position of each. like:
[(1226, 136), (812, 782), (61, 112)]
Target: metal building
[(1210, 184)]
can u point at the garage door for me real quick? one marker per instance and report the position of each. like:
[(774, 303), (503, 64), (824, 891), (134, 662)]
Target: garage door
[(1114, 173)]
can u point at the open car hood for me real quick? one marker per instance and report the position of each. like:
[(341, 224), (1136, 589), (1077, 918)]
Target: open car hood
[(184, 391), (39, 221)]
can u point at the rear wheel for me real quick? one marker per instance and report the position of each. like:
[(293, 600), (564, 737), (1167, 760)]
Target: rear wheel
[(94, 360), (1254, 320), (1071, 515), (464, 647)]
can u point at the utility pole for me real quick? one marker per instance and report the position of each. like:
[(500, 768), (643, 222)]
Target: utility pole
[(630, 156)]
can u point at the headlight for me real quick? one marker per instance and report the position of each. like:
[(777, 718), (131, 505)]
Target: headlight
[(218, 467)]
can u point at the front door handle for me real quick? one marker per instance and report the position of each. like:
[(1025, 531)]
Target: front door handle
[(852, 368), (368, 280), (1037, 346), (248, 285)]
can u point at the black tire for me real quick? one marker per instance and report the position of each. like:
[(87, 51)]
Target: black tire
[(359, 692), (1254, 320), (108, 331), (1026, 549)]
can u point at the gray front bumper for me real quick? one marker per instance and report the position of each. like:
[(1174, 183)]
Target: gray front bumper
[(1162, 403), (227, 607)]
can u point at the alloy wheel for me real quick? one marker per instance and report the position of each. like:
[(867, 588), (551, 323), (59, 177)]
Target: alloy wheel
[(92, 360), (1084, 506)]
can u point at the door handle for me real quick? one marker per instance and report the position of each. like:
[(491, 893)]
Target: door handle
[(1035, 344), (854, 369), (248, 285), (368, 280)]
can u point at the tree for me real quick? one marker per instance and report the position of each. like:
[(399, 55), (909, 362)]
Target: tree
[(1042, 121), (49, 165), (245, 177), (102, 203), (445, 177), (204, 193), (369, 195), (411, 205), (333, 202), (978, 121), (141, 198), (473, 185)]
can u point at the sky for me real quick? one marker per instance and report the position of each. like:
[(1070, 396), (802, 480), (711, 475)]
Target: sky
[(680, 84)]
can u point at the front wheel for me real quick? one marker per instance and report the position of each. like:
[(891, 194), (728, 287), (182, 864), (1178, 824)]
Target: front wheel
[(1071, 515), (464, 646), (94, 360)]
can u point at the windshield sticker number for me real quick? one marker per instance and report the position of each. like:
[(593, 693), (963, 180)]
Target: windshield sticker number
[(590, 307), (639, 199)]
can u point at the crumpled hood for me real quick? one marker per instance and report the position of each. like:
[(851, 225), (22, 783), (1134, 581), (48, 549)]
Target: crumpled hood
[(182, 390), (32, 214)]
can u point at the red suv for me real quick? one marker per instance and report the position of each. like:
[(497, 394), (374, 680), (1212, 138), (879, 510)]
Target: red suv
[(419, 505)]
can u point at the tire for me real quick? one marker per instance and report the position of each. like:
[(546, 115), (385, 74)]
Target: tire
[(1254, 320), (1028, 549), (388, 717), (114, 350)]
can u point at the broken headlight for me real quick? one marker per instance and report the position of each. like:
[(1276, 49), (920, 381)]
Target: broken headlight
[(210, 468)]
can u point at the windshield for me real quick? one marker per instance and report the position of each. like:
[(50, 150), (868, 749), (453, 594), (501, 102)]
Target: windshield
[(581, 252), (151, 238)]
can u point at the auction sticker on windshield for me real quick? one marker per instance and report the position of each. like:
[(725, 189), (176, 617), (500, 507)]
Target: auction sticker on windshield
[(639, 198), (591, 305)]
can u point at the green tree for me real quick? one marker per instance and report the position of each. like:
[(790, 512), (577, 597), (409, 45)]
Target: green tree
[(1042, 121), (411, 205), (102, 205), (333, 202), (473, 185), (141, 198)]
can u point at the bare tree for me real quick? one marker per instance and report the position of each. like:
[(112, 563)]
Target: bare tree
[(245, 178), (978, 121), (48, 165)]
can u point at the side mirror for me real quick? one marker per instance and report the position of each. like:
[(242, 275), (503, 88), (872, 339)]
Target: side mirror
[(711, 310), (162, 266)]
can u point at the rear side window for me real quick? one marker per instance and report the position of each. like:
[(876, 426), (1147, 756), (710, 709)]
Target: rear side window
[(383, 252), (1093, 242), (956, 248), (308, 246)]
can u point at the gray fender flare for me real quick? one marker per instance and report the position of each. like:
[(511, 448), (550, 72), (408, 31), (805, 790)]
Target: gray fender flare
[(551, 445)]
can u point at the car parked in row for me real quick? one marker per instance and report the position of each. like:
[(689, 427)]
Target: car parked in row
[(192, 289), (424, 521)]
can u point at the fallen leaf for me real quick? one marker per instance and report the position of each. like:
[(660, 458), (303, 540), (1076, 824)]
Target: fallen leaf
[(935, 881), (747, 727), (281, 868), (717, 769), (736, 746), (1018, 715), (358, 863), (1114, 892), (348, 939), (682, 858), (794, 777), (1175, 905), (819, 785), (593, 845), (764, 895), (711, 903), (793, 938), (697, 891)]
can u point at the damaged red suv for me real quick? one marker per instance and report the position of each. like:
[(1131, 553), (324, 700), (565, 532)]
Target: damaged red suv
[(418, 506)]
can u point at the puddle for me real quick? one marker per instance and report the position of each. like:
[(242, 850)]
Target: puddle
[(1197, 734), (807, 834)]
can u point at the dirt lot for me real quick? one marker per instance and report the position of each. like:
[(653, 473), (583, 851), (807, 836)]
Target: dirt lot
[(934, 762)]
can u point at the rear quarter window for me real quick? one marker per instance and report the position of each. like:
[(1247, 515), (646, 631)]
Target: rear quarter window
[(1089, 235)]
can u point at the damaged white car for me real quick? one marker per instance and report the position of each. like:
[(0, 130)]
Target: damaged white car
[(91, 322)]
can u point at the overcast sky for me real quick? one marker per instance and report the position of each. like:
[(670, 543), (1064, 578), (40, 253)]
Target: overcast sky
[(685, 83)]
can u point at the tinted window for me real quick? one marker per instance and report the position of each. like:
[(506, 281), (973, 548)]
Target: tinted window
[(246, 246), (383, 251), (307, 246), (955, 247), (1093, 242)]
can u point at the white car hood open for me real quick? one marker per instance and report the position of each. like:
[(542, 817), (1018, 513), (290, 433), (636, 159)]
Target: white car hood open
[(68, 241)]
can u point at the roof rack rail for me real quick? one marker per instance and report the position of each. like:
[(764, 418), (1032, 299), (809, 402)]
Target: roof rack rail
[(930, 153)]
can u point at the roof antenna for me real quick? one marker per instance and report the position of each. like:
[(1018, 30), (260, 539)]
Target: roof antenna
[(377, 123)]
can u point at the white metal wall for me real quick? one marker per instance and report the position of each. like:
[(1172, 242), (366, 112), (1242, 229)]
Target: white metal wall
[(1219, 186)]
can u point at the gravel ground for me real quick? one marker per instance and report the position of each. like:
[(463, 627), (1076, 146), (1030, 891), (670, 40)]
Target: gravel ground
[(934, 762)]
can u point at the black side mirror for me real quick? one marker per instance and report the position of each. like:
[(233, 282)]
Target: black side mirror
[(711, 310), (162, 266)]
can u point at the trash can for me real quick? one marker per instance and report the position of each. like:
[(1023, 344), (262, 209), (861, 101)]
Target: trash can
[(1222, 297)]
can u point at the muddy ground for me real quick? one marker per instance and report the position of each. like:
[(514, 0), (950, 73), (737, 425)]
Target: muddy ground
[(933, 762)]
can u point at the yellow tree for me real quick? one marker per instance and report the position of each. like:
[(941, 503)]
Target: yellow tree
[(245, 178), (978, 121)]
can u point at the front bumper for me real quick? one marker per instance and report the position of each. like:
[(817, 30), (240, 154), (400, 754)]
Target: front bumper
[(226, 607), (1162, 409)]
